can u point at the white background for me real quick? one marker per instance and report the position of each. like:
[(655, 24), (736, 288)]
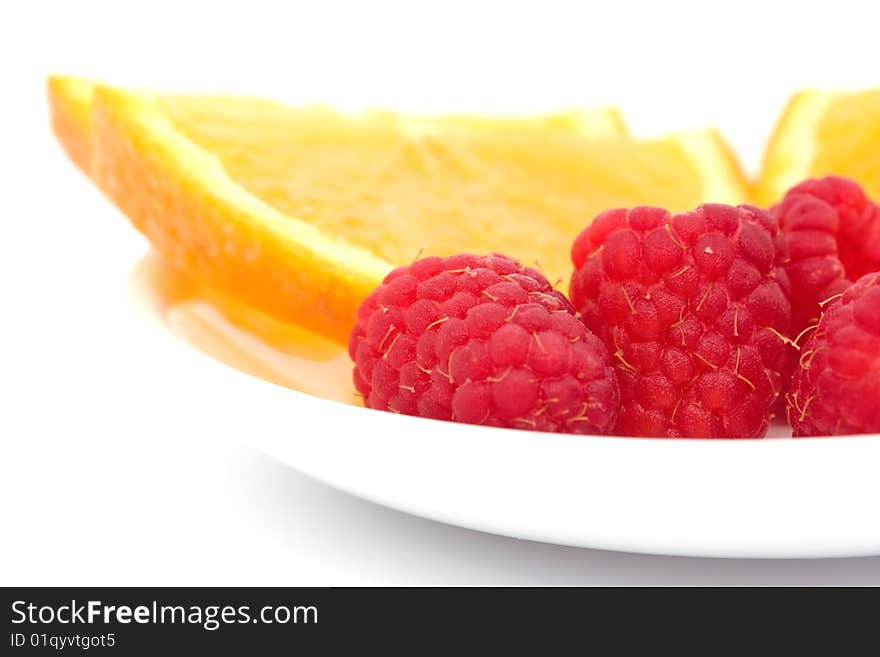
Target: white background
[(117, 467)]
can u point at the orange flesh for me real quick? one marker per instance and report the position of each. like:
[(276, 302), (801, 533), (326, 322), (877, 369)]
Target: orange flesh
[(399, 186)]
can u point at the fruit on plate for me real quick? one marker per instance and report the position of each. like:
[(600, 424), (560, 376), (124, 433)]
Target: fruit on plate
[(301, 212), (694, 308), (836, 388), (483, 340), (823, 133)]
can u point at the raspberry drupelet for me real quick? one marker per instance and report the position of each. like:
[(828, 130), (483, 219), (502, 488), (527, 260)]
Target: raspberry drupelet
[(836, 387), (483, 340), (694, 308)]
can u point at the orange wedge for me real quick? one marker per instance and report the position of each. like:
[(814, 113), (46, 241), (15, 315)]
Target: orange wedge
[(822, 133), (301, 211)]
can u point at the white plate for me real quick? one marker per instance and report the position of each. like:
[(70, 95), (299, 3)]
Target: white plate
[(722, 498), (772, 498)]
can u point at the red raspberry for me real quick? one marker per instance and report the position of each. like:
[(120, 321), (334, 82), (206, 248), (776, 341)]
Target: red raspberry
[(836, 389), (832, 232), (693, 307), (484, 340)]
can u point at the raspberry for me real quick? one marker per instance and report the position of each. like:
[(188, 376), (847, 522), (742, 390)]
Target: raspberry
[(694, 308), (837, 386), (832, 233), (484, 340)]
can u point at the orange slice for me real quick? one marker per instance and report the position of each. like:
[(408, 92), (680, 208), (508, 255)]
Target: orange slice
[(822, 133), (301, 211)]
